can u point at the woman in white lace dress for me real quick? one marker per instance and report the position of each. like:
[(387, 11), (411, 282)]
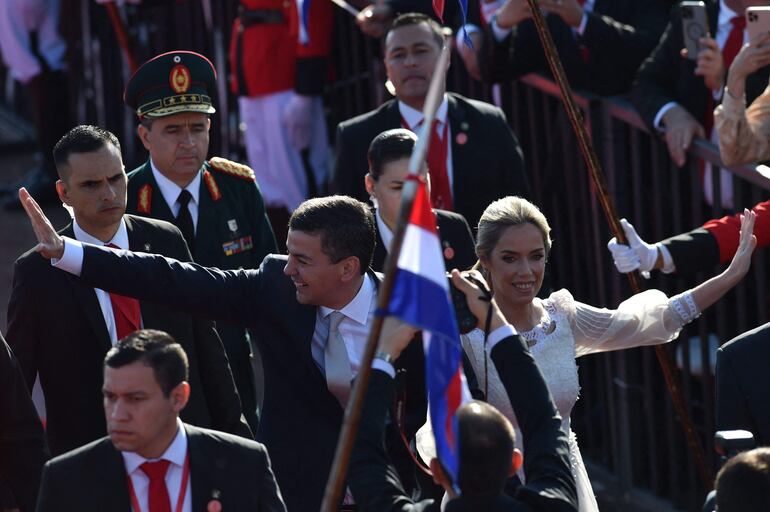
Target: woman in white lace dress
[(513, 243)]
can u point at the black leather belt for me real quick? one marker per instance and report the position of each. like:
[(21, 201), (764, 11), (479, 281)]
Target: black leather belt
[(251, 17)]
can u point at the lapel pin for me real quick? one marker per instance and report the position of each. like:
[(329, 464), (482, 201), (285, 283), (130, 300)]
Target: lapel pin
[(232, 224), (449, 253), (464, 126), (147, 247), (461, 138), (214, 506)]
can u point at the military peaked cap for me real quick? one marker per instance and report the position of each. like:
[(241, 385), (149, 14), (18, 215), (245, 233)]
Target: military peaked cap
[(170, 83)]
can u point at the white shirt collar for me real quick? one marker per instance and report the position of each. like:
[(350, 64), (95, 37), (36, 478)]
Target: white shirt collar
[(358, 308), (171, 190), (175, 453), (385, 233), (413, 116), (725, 14), (120, 239)]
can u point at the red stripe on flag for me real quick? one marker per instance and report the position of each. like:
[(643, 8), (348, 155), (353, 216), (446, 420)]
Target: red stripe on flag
[(438, 8), (422, 215), (454, 399)]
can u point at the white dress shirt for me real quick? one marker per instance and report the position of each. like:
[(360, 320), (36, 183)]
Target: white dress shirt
[(175, 454), (354, 328), (170, 192), (413, 118), (105, 304), (385, 233)]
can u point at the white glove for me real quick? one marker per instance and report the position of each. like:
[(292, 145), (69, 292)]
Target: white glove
[(298, 120), (637, 255)]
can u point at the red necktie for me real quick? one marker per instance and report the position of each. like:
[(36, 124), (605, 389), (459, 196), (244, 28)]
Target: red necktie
[(157, 496), (128, 316), (440, 190)]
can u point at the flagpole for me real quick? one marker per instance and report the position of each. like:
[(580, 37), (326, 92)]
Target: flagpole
[(600, 186), (346, 7), (121, 35), (336, 482)]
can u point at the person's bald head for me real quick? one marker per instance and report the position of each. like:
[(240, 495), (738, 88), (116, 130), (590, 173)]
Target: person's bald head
[(486, 449)]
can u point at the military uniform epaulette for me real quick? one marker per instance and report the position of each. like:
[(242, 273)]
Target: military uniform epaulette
[(226, 166)]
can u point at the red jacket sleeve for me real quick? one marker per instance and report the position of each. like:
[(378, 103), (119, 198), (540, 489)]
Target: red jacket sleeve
[(726, 231), (312, 65)]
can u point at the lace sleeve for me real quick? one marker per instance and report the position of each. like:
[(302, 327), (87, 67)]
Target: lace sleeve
[(744, 134), (647, 318)]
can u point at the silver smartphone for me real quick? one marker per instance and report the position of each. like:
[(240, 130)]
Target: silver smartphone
[(695, 25), (757, 21)]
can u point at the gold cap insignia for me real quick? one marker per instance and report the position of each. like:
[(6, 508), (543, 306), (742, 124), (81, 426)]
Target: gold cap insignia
[(179, 78)]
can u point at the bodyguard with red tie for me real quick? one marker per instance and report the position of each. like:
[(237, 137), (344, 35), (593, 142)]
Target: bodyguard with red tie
[(152, 461), (474, 157), (60, 330)]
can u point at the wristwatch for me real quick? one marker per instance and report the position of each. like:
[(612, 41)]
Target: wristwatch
[(384, 356)]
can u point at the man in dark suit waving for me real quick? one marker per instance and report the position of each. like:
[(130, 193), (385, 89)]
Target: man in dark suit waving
[(474, 156), (60, 328), (312, 311), (151, 460)]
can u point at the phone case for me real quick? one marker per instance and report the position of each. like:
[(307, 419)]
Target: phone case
[(694, 26)]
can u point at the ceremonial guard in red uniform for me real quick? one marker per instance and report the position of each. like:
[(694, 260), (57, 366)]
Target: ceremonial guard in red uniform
[(279, 69)]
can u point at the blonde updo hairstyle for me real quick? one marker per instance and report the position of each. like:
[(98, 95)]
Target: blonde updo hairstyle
[(502, 214)]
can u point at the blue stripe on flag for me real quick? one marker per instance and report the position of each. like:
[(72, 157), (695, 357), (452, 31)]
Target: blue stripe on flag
[(423, 303)]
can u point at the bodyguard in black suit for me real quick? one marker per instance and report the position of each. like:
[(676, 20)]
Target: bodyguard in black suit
[(23, 450), (224, 222), (204, 469), (58, 328), (667, 92), (388, 159), (486, 450), (289, 301), (600, 43), (743, 384), (486, 160)]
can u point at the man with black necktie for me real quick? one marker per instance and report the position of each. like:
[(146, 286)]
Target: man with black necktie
[(60, 329), (474, 158), (215, 203), (151, 460)]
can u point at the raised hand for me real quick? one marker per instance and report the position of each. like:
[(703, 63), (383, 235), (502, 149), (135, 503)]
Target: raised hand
[(748, 241), (710, 64), (753, 56), (49, 243)]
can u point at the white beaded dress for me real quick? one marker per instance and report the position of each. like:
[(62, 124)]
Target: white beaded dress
[(570, 329)]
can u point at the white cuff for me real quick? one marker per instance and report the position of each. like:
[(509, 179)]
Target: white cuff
[(499, 335), (717, 94), (583, 22), (659, 116), (499, 33), (384, 366), (668, 261), (72, 259)]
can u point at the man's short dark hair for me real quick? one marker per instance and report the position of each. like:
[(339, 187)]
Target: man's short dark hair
[(155, 349), (388, 147), (415, 18), (346, 226), (84, 138), (743, 483), (486, 449)]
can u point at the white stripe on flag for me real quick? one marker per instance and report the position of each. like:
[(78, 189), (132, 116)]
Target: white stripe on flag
[(421, 255)]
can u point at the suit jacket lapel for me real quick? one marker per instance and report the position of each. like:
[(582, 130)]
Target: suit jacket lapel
[(200, 469), (209, 213), (89, 304), (460, 152), (113, 491)]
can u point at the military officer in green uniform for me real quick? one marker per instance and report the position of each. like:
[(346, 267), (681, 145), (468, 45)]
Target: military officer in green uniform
[(215, 203)]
